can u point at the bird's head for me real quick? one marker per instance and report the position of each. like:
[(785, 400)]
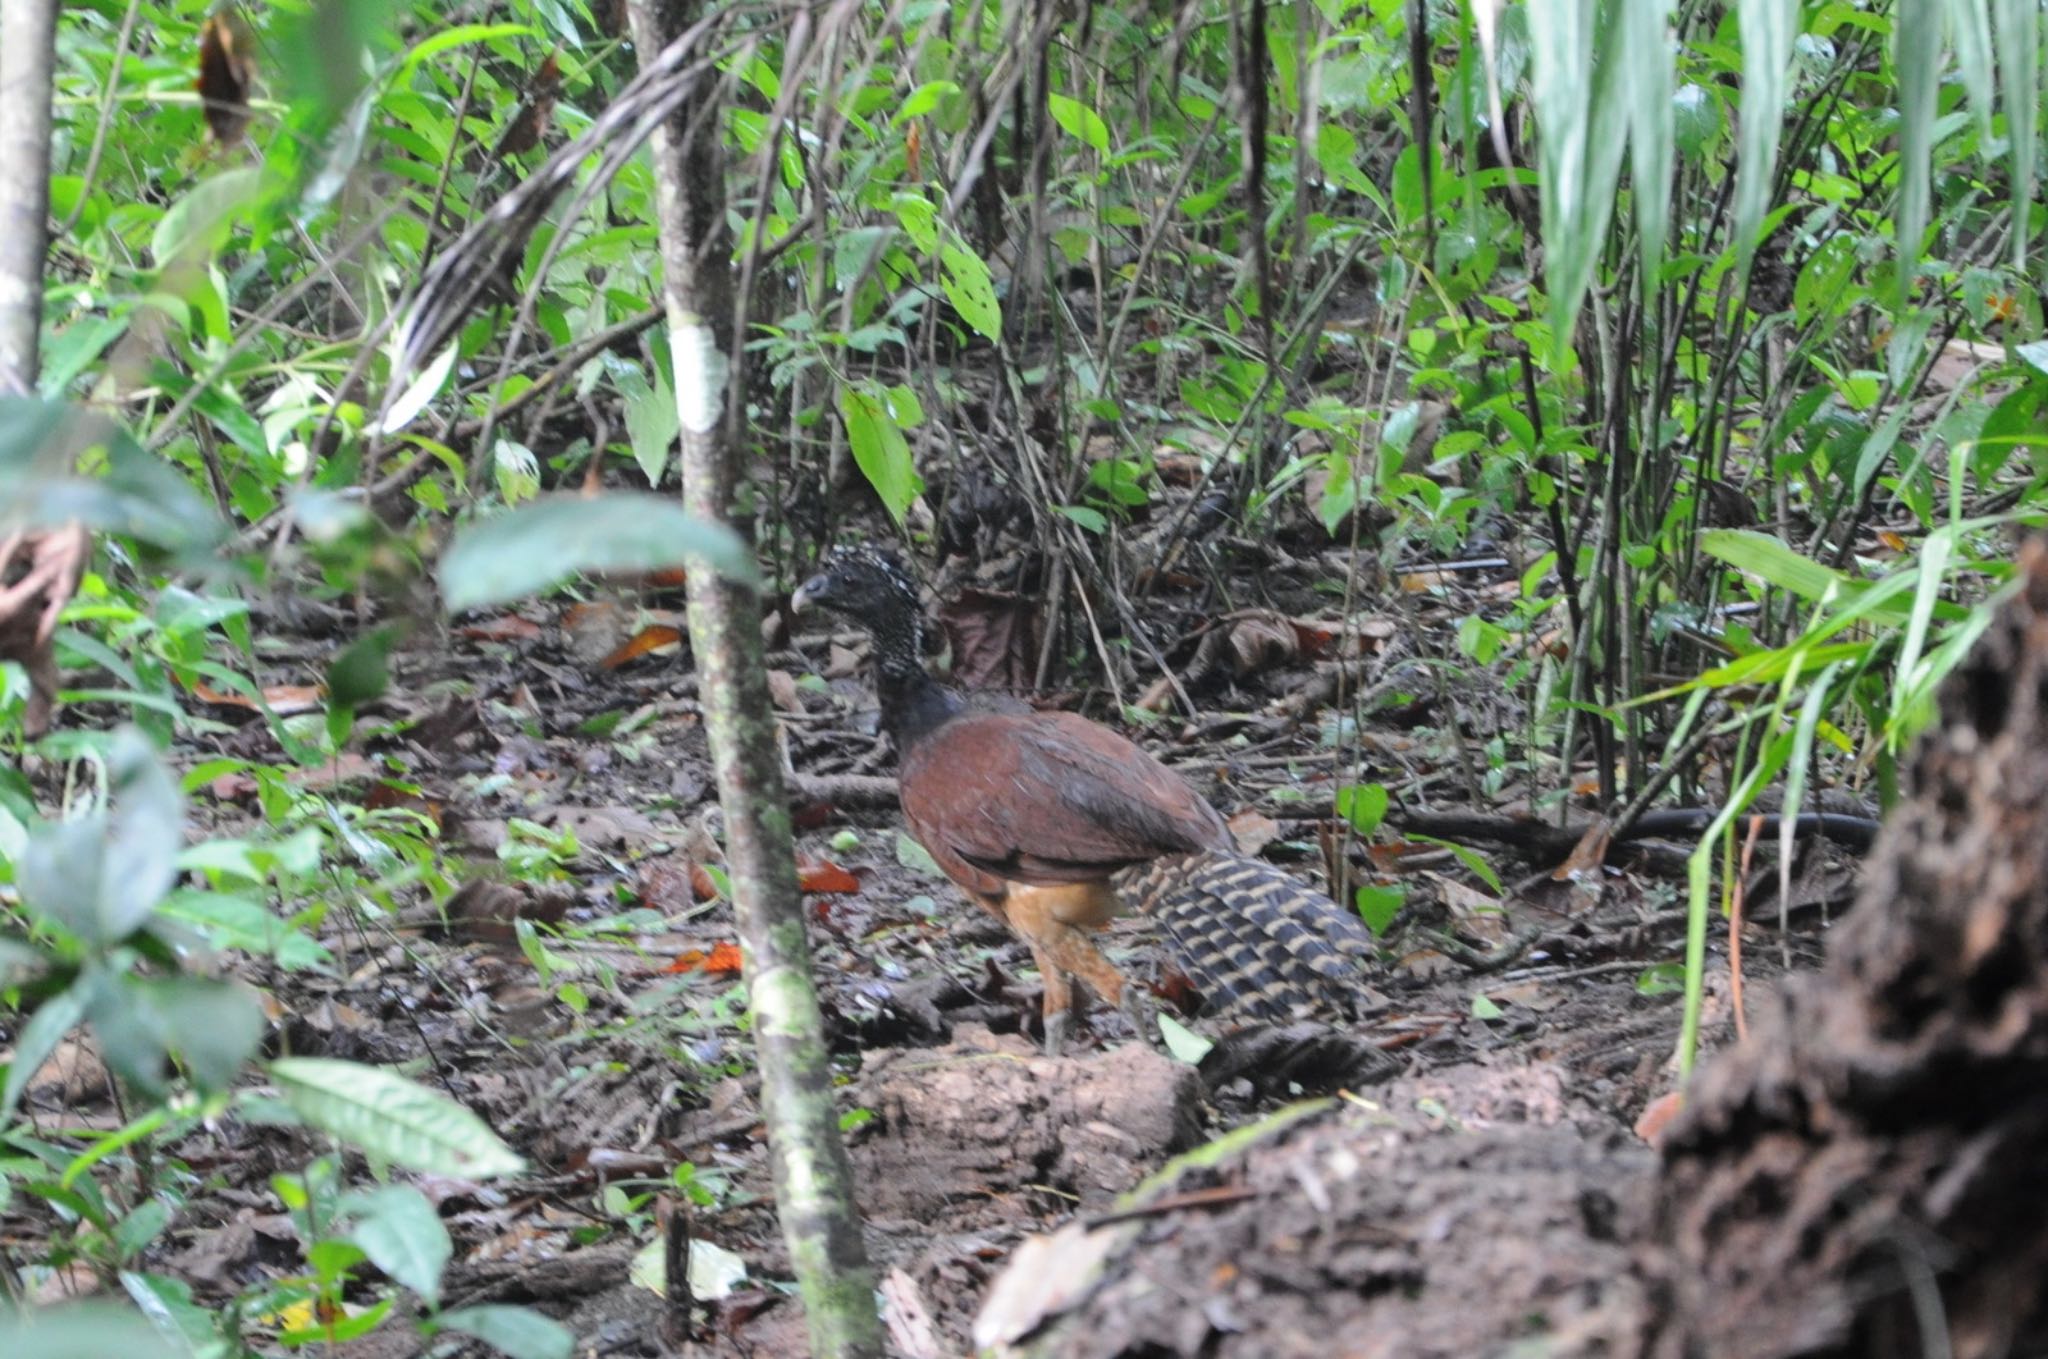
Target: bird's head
[(868, 586)]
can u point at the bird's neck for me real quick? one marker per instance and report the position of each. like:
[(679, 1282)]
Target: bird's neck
[(913, 703)]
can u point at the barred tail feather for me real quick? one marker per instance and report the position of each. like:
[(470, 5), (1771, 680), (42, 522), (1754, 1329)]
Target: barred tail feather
[(1258, 943)]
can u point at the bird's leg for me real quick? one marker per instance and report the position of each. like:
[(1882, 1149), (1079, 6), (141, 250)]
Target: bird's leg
[(1143, 1015), (1060, 999)]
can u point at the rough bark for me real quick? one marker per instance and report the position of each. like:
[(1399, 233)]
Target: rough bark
[(813, 1182), (27, 53), (1866, 1176)]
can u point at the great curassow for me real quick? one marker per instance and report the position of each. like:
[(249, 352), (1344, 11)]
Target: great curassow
[(1054, 824)]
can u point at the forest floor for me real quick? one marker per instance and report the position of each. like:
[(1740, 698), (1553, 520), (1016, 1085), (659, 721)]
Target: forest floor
[(560, 754)]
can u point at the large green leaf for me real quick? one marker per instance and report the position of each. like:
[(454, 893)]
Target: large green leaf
[(391, 1118), (90, 1331), (880, 449), (403, 1236), (518, 1331), (526, 550), (101, 875), (138, 494)]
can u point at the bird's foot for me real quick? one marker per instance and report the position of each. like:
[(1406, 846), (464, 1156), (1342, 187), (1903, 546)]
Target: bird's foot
[(1058, 1026), (1143, 1015)]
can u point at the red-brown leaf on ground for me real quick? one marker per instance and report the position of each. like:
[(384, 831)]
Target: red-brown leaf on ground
[(722, 960), (812, 815), (286, 700), (389, 795), (1589, 854), (824, 876), (510, 628), (1658, 1115), (659, 640), (702, 886), (992, 639)]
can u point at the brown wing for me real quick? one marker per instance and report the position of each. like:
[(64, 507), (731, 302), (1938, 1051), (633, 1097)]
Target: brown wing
[(1044, 799)]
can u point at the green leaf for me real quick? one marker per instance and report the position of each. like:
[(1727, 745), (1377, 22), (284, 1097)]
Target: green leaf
[(1917, 58), (970, 289), (1483, 1008), (652, 420), (213, 1026), (37, 1039), (101, 875), (391, 1118), (1773, 561), (526, 550), (1363, 805), (880, 449), (402, 1235), (1648, 78), (199, 222), (2019, 31), (916, 857), (1079, 120), (923, 100), (1183, 1044), (138, 494), (1090, 519), (424, 387), (517, 471), (1661, 979), (362, 671), (517, 1331), (1377, 906), (88, 1331), (1768, 28)]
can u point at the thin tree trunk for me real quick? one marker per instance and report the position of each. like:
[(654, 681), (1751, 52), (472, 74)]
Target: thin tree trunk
[(27, 55), (813, 1183)]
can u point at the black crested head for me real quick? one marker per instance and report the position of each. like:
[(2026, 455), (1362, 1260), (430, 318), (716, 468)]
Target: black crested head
[(871, 586), (868, 584)]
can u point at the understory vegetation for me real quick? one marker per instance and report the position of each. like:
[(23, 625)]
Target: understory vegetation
[(1548, 414)]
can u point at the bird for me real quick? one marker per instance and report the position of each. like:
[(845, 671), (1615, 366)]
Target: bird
[(1055, 824)]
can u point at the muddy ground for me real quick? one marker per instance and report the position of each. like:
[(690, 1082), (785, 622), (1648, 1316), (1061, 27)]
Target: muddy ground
[(1548, 1002)]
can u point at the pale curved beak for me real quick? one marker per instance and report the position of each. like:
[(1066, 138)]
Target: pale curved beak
[(806, 596)]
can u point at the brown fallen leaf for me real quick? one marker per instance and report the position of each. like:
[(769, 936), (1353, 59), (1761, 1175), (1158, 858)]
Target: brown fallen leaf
[(722, 960), (286, 700), (1658, 1115), (1253, 831), (992, 636), (824, 876), (659, 640), (510, 628)]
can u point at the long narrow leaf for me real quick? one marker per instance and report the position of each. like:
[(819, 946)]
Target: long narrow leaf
[(1969, 27), (1768, 27), (1916, 35), (1648, 72), (1561, 87), (2019, 38)]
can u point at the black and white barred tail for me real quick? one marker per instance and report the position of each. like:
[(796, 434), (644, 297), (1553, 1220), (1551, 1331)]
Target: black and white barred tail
[(1258, 943)]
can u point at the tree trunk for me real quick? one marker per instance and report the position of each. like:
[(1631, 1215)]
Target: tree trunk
[(813, 1184), (27, 54)]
